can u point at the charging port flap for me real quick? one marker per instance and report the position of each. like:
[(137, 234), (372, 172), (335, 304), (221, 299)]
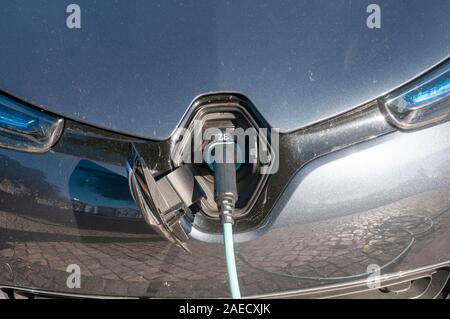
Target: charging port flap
[(163, 203)]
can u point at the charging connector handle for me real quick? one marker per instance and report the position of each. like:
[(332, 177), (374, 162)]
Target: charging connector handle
[(225, 173)]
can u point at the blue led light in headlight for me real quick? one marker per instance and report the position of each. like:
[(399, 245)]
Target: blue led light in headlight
[(429, 94), (26, 129), (422, 102), (22, 122)]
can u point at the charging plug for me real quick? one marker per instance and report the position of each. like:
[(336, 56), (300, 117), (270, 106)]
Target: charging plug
[(225, 189)]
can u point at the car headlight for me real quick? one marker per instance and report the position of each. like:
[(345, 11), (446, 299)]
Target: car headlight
[(422, 102), (25, 129)]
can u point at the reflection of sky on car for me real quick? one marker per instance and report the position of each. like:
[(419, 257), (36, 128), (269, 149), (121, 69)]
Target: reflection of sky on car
[(389, 166), (88, 182), (96, 185)]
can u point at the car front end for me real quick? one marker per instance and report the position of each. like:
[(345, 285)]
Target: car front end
[(102, 193)]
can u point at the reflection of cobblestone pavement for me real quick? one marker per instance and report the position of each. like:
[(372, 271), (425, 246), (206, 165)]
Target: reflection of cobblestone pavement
[(143, 264)]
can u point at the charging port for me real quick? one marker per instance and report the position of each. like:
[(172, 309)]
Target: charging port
[(217, 123)]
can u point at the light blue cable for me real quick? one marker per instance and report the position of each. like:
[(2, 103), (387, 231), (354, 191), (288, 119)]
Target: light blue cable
[(233, 280)]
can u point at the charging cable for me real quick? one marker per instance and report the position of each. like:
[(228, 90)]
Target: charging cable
[(225, 195)]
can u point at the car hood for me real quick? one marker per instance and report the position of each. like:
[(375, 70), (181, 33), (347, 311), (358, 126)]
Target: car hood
[(136, 67)]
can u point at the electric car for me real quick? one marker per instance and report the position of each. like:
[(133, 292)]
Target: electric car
[(112, 186)]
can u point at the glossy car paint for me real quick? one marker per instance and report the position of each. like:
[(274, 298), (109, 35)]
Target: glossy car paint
[(331, 222), (385, 198), (298, 61)]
